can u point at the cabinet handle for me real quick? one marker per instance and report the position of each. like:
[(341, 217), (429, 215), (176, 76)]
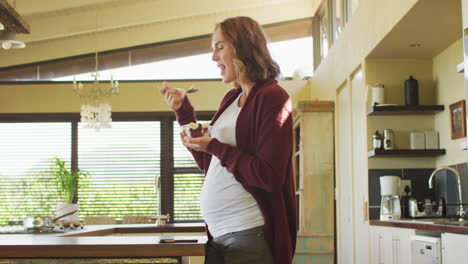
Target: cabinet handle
[(444, 259), (397, 250), (380, 258)]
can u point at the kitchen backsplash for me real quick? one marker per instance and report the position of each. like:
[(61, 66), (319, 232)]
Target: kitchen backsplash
[(445, 187)]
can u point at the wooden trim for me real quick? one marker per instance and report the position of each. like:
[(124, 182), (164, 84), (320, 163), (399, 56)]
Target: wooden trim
[(316, 42), (12, 21), (23, 82), (322, 2), (316, 106), (405, 109), (169, 228), (405, 152), (315, 252), (316, 235), (167, 171), (74, 155), (39, 117), (70, 117), (118, 250)]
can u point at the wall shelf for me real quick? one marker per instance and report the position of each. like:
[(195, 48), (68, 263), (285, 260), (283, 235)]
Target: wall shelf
[(405, 152), (405, 109)]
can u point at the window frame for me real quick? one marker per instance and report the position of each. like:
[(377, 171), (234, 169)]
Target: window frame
[(324, 15), (335, 25), (167, 151), (45, 71)]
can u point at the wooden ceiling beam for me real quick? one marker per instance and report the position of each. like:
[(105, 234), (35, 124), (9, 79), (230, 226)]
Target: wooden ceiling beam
[(11, 20)]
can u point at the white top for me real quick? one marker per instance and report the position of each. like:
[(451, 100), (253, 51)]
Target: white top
[(225, 205)]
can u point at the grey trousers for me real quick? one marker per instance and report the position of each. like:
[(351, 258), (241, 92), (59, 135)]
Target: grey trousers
[(243, 247)]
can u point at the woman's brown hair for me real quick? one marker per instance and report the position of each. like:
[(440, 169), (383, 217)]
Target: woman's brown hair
[(252, 59)]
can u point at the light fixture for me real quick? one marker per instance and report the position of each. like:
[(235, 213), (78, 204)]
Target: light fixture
[(2, 27), (8, 41), (95, 111)]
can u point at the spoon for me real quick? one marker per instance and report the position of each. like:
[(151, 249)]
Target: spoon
[(191, 89)]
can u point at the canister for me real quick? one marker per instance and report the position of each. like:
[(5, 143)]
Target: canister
[(378, 94), (377, 140), (411, 91), (388, 139), (431, 139), (417, 140)]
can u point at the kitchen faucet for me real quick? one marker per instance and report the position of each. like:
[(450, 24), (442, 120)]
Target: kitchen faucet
[(461, 212)]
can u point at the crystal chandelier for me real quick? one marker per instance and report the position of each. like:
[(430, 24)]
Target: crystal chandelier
[(95, 111)]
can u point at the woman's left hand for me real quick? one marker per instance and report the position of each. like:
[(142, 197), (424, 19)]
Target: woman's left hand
[(198, 143)]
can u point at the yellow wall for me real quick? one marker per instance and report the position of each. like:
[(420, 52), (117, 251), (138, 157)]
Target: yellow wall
[(134, 96), (450, 89)]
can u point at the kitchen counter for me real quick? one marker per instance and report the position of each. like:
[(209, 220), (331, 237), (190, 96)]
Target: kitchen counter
[(141, 240), (434, 225)]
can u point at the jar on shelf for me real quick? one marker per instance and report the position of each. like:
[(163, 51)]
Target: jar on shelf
[(388, 139), (377, 140)]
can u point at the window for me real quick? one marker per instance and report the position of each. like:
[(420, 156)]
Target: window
[(324, 32), (188, 180), (290, 45), (289, 54), (123, 163), (338, 18), (352, 5), (25, 186)]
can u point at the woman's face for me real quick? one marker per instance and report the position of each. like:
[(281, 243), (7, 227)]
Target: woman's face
[(222, 55)]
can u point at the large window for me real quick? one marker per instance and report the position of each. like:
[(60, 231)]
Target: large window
[(324, 32), (182, 59), (291, 55), (123, 163), (25, 152)]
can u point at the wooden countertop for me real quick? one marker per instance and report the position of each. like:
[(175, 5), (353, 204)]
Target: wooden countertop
[(423, 225), (106, 241)]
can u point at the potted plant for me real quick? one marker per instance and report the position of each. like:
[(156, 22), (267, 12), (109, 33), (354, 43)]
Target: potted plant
[(67, 182)]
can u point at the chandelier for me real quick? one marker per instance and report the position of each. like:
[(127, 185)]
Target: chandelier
[(95, 110)]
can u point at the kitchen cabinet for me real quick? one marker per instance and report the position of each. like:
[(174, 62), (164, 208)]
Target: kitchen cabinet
[(313, 164), (390, 245), (454, 248)]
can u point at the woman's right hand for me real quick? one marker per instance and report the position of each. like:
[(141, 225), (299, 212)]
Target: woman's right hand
[(173, 96)]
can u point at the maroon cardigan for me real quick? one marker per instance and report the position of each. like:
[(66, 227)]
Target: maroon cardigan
[(262, 160)]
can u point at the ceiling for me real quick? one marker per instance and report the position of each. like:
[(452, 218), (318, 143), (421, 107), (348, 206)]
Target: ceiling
[(425, 31), (67, 28)]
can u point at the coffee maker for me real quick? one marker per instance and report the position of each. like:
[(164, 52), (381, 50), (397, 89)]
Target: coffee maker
[(390, 208)]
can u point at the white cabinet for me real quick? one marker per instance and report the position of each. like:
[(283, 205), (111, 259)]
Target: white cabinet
[(454, 248), (390, 245)]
